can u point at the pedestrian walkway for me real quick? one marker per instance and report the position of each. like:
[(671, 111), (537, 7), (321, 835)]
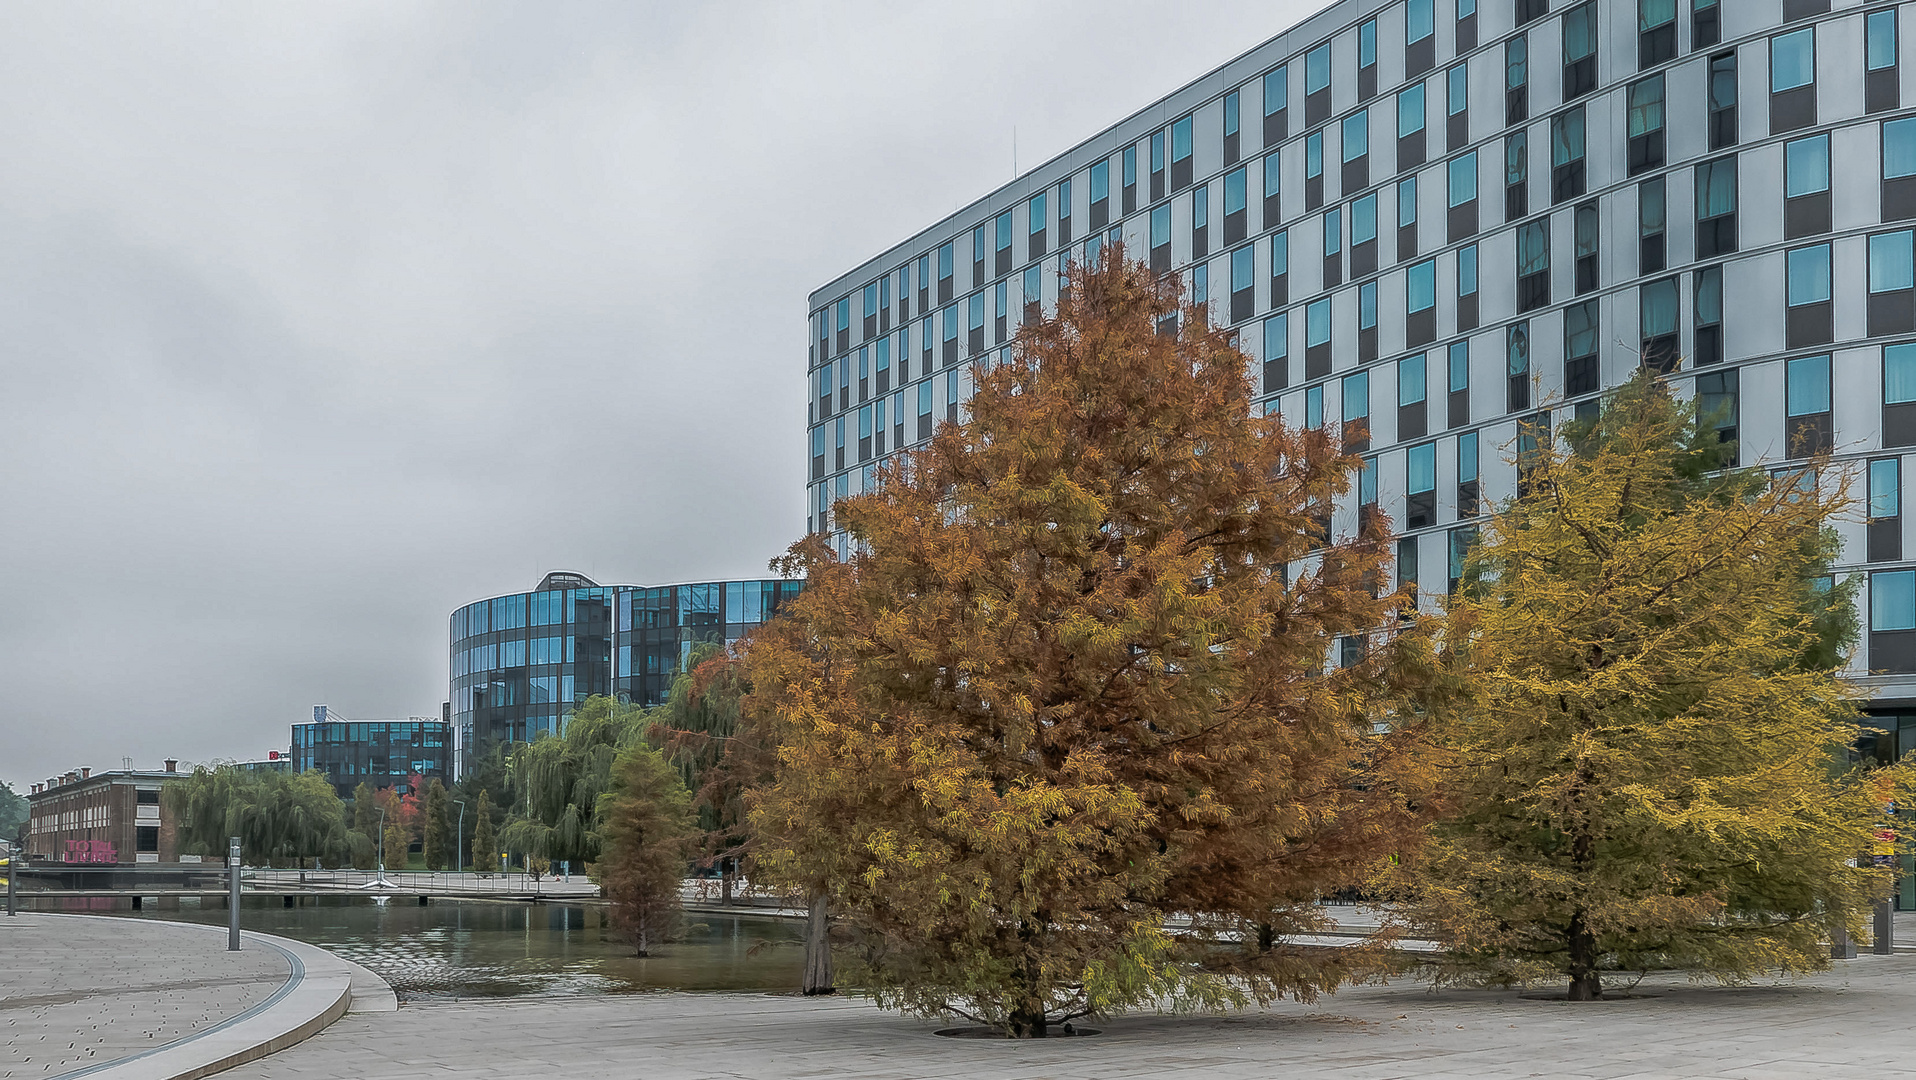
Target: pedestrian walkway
[(1850, 1023), (118, 999)]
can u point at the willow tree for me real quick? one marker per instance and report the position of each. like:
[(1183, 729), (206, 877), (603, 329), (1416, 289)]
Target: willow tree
[(1067, 687), (1647, 773), (282, 819), (560, 778)]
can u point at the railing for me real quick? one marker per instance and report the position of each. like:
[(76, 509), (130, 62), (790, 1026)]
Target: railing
[(139, 879), (425, 882)]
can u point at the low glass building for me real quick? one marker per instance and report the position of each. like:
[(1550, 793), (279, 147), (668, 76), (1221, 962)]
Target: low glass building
[(520, 662), (383, 753)]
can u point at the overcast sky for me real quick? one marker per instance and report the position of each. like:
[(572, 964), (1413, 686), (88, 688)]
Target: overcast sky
[(318, 321)]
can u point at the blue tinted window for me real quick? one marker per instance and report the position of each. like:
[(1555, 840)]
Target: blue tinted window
[(1420, 468), (1457, 90), (1410, 111), (1277, 92), (1880, 35), (1273, 175), (1363, 221), (1003, 230), (1317, 69), (1333, 232), (1241, 272), (1806, 166), (1899, 374), (1793, 59), (1100, 181), (1317, 323), (1356, 396), (1467, 270), (1036, 217), (1892, 600), (975, 311), (924, 398), (1411, 387), (1201, 206), (1459, 361), (1809, 274), (1463, 178), (1407, 201), (1466, 8), (1230, 113), (1808, 385), (1367, 305), (1367, 480), (944, 261), (1356, 135), (1889, 262), (1885, 488), (1281, 253), (1277, 338), (1314, 406), (1421, 286), (1234, 191), (1157, 151), (1466, 457), (1161, 225), (1899, 148), (1314, 154), (1128, 162), (1181, 139), (1367, 43), (1420, 20)]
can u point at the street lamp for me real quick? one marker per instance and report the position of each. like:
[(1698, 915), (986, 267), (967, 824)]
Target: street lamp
[(459, 845)]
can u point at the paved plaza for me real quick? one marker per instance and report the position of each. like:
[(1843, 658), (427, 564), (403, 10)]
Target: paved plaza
[(1852, 1022)]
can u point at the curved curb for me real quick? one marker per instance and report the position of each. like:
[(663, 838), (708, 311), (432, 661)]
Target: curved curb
[(319, 990)]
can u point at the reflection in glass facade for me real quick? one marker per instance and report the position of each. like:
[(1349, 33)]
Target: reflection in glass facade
[(383, 753), (520, 662)]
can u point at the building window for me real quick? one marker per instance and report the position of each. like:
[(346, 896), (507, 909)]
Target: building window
[(1243, 283), (1314, 406), (1899, 395), (1420, 486), (1157, 165), (975, 324), (1899, 169), (1716, 207), (1533, 265), (1420, 295), (1533, 435), (1410, 127), (1650, 226), (868, 310), (1656, 32), (1277, 351), (1705, 26), (1709, 315), (1580, 50), (1806, 187), (1880, 90), (1807, 405), (1580, 326), (1458, 383), (1456, 107), (1716, 404), (1367, 59), (1128, 178), (1516, 80), (945, 271), (1277, 95), (1100, 192), (1585, 223), (1313, 170), (1657, 324), (1001, 319), (1367, 322), (1364, 234), (1280, 268), (1517, 367), (1356, 414), (1892, 284), (1567, 177), (1161, 238), (1356, 151), (1407, 571), (1793, 80), (1885, 539), (1333, 247), (1892, 608), (1317, 85), (1723, 125), (1407, 218), (1201, 221), (1460, 220), (1467, 493), (1516, 175), (977, 256), (1466, 26), (1420, 37), (1273, 187), (1808, 318), (1181, 154), (1230, 129), (1412, 412), (1317, 339), (1002, 235), (1646, 124), (1235, 223), (1462, 540), (1467, 288)]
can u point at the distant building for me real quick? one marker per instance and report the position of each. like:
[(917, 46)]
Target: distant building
[(274, 761), (105, 818), (383, 753), (521, 662)]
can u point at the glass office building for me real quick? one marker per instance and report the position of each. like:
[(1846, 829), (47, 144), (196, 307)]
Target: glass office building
[(1444, 219), (383, 753), (520, 662)]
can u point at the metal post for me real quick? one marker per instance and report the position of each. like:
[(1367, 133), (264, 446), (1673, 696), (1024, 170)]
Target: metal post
[(232, 894), (1884, 936), (13, 875), (459, 845)]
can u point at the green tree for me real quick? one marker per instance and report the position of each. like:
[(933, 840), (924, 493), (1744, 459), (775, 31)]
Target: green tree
[(364, 841), (282, 819), (648, 829), (720, 752), (13, 811), (1073, 681), (438, 829), (485, 848), (560, 778), (1643, 776)]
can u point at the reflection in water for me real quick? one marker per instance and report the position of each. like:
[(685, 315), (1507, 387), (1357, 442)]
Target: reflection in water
[(452, 949)]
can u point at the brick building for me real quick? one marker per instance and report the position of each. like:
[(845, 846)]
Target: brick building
[(105, 818)]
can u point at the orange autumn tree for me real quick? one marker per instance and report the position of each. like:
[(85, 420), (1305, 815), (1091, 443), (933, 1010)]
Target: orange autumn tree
[(1068, 689)]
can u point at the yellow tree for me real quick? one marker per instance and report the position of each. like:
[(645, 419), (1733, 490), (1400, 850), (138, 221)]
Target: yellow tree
[(1080, 679), (1647, 773)]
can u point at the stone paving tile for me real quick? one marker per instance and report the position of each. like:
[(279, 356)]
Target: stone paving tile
[(1852, 1022), (77, 990)]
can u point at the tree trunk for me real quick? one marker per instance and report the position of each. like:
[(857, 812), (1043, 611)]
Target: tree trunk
[(1026, 1022), (725, 882), (1586, 984), (818, 949)]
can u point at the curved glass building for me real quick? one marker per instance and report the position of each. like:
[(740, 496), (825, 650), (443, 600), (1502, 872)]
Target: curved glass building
[(520, 662)]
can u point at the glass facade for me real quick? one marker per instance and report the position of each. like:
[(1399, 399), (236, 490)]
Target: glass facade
[(521, 662), (383, 753)]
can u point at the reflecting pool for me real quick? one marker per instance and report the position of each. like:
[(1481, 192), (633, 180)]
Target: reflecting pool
[(454, 949)]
